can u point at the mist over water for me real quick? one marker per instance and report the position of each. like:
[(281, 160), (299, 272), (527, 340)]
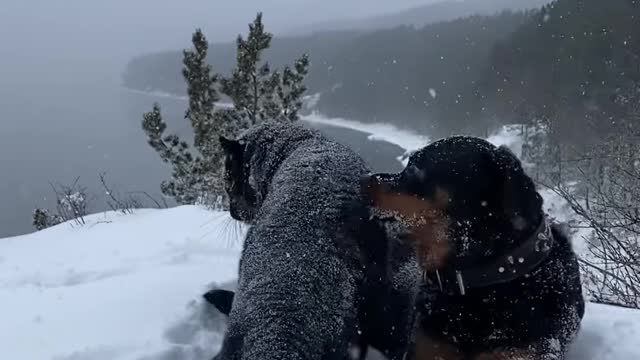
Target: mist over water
[(65, 122), (56, 127), (63, 111)]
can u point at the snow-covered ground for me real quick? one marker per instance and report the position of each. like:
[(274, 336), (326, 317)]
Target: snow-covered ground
[(128, 286), (120, 287)]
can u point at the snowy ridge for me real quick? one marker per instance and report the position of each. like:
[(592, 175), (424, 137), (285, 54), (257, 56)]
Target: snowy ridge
[(129, 287)]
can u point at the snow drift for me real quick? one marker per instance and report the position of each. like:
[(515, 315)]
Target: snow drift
[(128, 287)]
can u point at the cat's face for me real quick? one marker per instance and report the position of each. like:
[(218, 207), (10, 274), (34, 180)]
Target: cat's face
[(242, 197)]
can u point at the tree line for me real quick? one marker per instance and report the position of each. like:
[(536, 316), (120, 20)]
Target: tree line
[(257, 91), (380, 76)]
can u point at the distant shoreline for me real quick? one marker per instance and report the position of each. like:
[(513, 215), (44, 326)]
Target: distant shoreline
[(156, 93), (408, 140)]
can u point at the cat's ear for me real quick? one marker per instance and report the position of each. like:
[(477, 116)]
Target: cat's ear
[(231, 146), (221, 299)]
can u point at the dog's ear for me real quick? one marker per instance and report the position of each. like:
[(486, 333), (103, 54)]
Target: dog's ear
[(520, 201), (221, 299), (508, 157)]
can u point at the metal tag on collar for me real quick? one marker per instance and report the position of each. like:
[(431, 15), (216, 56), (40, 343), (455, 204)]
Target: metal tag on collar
[(460, 282), (543, 242)]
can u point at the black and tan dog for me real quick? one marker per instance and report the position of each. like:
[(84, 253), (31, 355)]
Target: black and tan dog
[(500, 280)]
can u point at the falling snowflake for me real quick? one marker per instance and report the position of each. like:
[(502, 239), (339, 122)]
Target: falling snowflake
[(433, 93)]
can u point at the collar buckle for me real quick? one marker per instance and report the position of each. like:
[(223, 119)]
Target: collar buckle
[(460, 282)]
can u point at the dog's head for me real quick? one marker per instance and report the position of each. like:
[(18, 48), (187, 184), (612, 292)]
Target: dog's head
[(463, 198)]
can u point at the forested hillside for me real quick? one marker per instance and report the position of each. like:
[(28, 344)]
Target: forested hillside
[(568, 65), (438, 11), (419, 78), (161, 71)]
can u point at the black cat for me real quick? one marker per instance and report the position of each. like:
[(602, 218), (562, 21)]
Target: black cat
[(315, 278)]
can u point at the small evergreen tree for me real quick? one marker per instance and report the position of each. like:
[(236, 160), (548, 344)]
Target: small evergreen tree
[(207, 126), (292, 89), (194, 178), (42, 219), (184, 185), (71, 205), (257, 94)]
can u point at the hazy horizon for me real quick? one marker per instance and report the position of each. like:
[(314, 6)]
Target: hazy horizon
[(63, 111), (122, 29)]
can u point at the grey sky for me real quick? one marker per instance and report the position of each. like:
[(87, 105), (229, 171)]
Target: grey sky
[(128, 27)]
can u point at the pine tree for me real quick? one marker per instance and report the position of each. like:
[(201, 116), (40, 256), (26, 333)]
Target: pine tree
[(194, 179), (202, 94), (257, 94), (184, 185), (42, 219), (292, 89), (244, 85), (207, 125)]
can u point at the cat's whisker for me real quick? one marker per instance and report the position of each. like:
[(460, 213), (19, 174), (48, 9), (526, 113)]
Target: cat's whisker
[(228, 228), (238, 230), (206, 234), (213, 219)]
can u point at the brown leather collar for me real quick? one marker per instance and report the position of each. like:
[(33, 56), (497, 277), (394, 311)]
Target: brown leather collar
[(508, 267)]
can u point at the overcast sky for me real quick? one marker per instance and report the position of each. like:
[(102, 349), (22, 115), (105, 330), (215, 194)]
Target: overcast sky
[(129, 27)]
